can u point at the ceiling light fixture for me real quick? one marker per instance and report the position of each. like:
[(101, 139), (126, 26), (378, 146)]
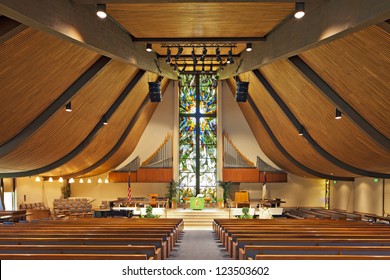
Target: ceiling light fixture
[(105, 120), (230, 59), (248, 47), (68, 107), (61, 180), (155, 92), (71, 180), (338, 114), (81, 181), (100, 181), (242, 91), (101, 10), (50, 179), (149, 47), (300, 132), (106, 181), (184, 67), (37, 179), (89, 181), (299, 10)]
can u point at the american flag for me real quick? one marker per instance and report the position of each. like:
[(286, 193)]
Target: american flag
[(128, 188)]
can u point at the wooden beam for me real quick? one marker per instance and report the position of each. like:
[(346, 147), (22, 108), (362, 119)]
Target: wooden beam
[(286, 153), (59, 103), (80, 25), (340, 103), (325, 21), (92, 134), (9, 28), (325, 154)]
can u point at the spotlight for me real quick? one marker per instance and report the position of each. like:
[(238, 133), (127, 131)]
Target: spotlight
[(60, 180), (106, 181), (71, 180), (230, 59), (248, 47), (211, 67), (154, 92), (204, 53), (242, 91), (101, 10), (175, 67), (50, 179), (149, 47), (338, 114), (184, 67), (300, 132), (100, 181), (37, 179), (105, 120), (168, 60), (179, 51), (68, 107), (81, 181), (299, 10), (203, 68), (89, 181)]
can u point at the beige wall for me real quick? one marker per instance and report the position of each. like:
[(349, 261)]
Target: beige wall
[(37, 191), (362, 195), (387, 197)]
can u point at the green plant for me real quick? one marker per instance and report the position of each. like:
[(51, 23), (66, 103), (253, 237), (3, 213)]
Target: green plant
[(220, 200), (245, 213), (226, 188), (149, 213), (172, 191)]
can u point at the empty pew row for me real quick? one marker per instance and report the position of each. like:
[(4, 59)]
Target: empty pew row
[(321, 257), (161, 236), (249, 252), (22, 256), (236, 234)]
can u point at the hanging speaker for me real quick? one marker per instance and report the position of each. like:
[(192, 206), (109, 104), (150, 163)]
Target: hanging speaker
[(242, 91), (155, 92)]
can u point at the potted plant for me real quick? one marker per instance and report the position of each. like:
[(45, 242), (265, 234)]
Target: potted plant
[(245, 213), (172, 193), (220, 203), (174, 203), (226, 189), (149, 213)]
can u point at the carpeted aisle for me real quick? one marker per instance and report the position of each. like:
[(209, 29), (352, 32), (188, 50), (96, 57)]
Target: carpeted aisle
[(199, 245)]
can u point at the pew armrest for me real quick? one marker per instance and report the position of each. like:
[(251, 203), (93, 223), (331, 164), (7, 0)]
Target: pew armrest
[(241, 254), (157, 254)]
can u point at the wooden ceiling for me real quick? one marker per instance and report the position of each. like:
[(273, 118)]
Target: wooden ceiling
[(43, 64)]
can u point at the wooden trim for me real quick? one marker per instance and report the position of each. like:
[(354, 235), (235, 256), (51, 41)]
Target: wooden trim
[(154, 175), (122, 177), (241, 175), (9, 28)]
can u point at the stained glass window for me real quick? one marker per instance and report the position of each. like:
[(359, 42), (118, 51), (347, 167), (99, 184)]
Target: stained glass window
[(198, 135)]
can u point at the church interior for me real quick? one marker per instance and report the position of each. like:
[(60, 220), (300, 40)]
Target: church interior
[(264, 124)]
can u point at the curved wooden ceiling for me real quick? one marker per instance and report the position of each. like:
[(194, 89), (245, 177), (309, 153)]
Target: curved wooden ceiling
[(37, 68)]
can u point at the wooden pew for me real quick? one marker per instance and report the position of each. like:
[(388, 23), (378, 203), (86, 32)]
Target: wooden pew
[(21, 256), (150, 251), (250, 251), (321, 257)]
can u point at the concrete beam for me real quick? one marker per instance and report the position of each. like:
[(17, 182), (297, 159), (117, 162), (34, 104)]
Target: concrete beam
[(80, 25), (325, 21)]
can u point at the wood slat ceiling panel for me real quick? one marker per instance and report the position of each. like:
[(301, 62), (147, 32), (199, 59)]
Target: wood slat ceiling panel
[(198, 51), (180, 20), (287, 134), (35, 69), (65, 130), (109, 134), (265, 142), (132, 139), (357, 67), (341, 138)]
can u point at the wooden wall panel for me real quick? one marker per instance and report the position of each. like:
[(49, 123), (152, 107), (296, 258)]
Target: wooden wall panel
[(65, 130), (154, 175), (341, 138), (273, 177), (122, 177), (357, 67), (242, 175), (36, 68), (287, 134), (170, 20)]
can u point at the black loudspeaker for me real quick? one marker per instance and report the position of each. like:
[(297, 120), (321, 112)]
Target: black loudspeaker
[(242, 91), (155, 92)]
